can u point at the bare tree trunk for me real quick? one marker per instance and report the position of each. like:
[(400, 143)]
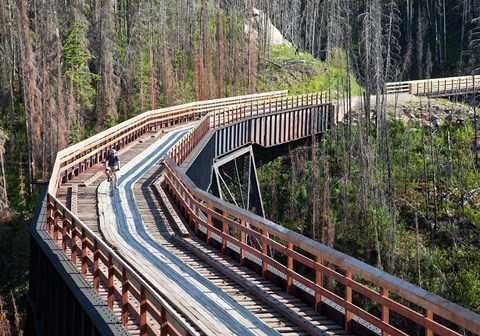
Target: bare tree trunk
[(252, 52), (4, 204), (221, 59), (29, 75), (314, 196), (152, 79)]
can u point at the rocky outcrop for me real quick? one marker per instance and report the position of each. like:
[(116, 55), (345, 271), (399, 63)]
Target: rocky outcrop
[(413, 110)]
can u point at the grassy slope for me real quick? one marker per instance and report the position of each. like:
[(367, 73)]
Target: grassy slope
[(302, 73)]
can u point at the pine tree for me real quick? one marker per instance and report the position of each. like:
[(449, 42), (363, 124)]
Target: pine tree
[(80, 80)]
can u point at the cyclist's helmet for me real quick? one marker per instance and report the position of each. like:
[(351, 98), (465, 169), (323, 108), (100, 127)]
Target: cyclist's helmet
[(111, 151)]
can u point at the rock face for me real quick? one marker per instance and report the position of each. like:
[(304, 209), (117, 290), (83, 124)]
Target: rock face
[(3, 183), (271, 33)]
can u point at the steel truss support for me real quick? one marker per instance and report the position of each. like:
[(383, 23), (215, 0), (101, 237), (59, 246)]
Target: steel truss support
[(235, 180)]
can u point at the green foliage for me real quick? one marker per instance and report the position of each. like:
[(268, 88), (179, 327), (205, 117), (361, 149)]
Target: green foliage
[(110, 121), (14, 250), (302, 73), (20, 197), (75, 62), (74, 131)]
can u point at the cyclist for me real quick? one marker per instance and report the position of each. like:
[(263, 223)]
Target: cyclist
[(112, 162)]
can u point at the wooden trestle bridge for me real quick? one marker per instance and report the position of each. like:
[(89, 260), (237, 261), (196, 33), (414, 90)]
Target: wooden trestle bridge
[(162, 256)]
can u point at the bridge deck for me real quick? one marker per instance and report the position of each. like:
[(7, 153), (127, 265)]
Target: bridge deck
[(213, 292)]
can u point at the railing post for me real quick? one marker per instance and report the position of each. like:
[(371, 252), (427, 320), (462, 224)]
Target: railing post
[(125, 303), (348, 299), (84, 252), (265, 254), (96, 269), (428, 315), (189, 207), (243, 241), (209, 223), (318, 282), (290, 286), (73, 249), (163, 322), (111, 285), (197, 216), (64, 230), (143, 312), (49, 215), (385, 311), (224, 231), (55, 222)]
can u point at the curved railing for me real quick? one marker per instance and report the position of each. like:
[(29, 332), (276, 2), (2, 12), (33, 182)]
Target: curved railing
[(75, 159), (126, 289), (332, 275), (311, 270)]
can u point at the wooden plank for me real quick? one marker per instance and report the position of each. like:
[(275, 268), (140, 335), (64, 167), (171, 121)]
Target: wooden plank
[(73, 199), (282, 308), (91, 179)]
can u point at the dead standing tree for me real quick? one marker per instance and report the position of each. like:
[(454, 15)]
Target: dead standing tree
[(29, 76), (3, 183)]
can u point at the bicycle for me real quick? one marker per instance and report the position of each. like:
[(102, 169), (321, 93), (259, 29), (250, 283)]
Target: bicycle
[(111, 179)]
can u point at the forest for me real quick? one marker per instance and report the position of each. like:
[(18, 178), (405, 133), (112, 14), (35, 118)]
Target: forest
[(71, 68)]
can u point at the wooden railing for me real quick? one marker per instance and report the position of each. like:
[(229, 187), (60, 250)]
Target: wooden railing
[(125, 287), (331, 275), (231, 114), (436, 86), (337, 277), (227, 115)]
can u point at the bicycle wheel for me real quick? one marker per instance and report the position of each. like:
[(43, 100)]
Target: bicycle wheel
[(112, 183)]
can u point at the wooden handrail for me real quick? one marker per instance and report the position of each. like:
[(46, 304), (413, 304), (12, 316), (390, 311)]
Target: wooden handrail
[(73, 155), (197, 203), (76, 236), (434, 85), (195, 200)]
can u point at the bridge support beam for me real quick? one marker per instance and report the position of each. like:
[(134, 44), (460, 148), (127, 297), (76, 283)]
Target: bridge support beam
[(235, 180)]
